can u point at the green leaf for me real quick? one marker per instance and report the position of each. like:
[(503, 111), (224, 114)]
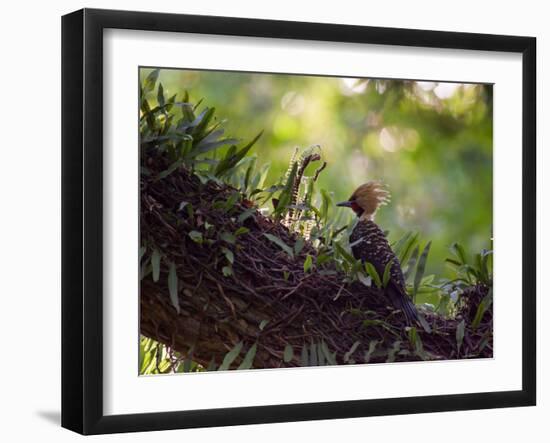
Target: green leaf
[(160, 96), (487, 337), (170, 103), (371, 270), (155, 262), (408, 248), (459, 335), (230, 202), (322, 258), (458, 250), (145, 269), (205, 118), (427, 280), (313, 361), (263, 324), (227, 271), (151, 80), (249, 358), (147, 113), (470, 270), (147, 352), (366, 280), (190, 121), (142, 251), (387, 273), (242, 230), (329, 356), (326, 202), (285, 197), (420, 268), (307, 263), (196, 236), (320, 356), (230, 161), (455, 263), (412, 262), (482, 308), (416, 342), (225, 163), (173, 287), (443, 307), (212, 365), (245, 214), (288, 353), (393, 351), (424, 323), (299, 245), (372, 347), (247, 175), (281, 244), (187, 111), (304, 360), (174, 166), (259, 178), (227, 237), (185, 366), (345, 254), (228, 254), (400, 244), (231, 356), (348, 354), (203, 147)]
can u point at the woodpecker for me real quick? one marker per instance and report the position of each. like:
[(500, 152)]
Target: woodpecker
[(369, 244)]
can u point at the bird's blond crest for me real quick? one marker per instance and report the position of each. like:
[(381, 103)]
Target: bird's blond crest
[(370, 196)]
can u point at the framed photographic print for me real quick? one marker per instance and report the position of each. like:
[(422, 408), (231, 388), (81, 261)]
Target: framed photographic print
[(271, 221)]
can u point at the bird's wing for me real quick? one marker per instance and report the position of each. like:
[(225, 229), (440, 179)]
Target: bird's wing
[(370, 244)]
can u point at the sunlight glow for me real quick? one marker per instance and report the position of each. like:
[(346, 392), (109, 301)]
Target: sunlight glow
[(446, 90), (426, 86), (293, 103), (351, 86)]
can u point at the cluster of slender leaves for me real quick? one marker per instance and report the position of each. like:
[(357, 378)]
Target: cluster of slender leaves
[(477, 271), (316, 354), (195, 138), (150, 265), (153, 358), (187, 136), (468, 273), (413, 260)]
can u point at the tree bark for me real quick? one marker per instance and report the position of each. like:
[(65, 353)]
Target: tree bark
[(265, 297)]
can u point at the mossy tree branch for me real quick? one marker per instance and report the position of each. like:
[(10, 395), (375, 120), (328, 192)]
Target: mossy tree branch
[(235, 285)]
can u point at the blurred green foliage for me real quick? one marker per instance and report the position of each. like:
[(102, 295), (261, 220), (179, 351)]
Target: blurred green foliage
[(189, 134), (430, 142)]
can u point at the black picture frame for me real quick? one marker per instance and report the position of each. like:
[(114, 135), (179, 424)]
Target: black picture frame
[(82, 218)]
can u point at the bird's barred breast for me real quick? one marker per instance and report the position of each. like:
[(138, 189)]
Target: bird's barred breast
[(370, 244)]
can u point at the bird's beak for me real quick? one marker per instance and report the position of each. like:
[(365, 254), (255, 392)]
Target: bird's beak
[(346, 204)]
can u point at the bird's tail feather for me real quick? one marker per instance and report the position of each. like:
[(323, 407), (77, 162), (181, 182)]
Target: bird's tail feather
[(408, 308), (403, 302)]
